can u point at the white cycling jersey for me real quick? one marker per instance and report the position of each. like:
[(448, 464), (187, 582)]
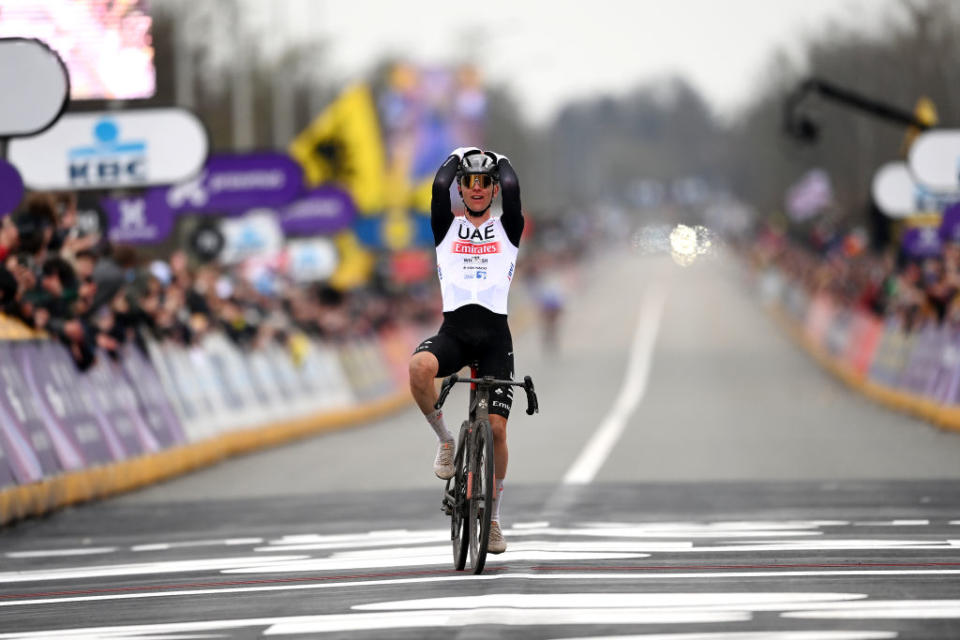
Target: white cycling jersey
[(476, 265)]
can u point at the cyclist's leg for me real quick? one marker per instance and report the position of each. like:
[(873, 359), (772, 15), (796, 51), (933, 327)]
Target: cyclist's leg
[(437, 356), (497, 360)]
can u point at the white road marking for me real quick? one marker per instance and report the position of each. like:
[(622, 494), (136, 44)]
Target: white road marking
[(54, 553), (506, 616), (530, 525), (884, 610), (145, 568), (754, 635), (891, 523), (163, 546), (612, 601), (884, 574), (585, 468), (433, 556)]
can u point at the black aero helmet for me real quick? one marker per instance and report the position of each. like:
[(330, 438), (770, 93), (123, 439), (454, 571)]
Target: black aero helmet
[(477, 164)]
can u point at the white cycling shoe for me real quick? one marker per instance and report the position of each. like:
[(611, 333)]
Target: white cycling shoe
[(496, 543), (443, 463)]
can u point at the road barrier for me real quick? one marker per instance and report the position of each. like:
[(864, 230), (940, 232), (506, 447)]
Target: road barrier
[(916, 372), (67, 436)]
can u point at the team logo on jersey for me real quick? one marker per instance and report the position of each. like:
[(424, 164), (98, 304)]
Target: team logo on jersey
[(463, 231), (476, 249)]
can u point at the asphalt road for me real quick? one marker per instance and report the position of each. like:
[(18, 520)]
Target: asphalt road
[(692, 475)]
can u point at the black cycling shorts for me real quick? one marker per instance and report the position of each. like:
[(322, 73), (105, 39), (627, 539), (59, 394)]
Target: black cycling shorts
[(469, 337)]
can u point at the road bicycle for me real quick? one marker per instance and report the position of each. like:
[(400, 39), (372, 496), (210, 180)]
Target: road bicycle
[(468, 495)]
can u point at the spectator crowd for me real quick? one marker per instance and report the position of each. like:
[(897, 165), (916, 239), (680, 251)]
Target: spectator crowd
[(908, 293), (95, 297)]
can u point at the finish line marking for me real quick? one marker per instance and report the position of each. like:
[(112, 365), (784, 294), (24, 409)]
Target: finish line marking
[(598, 449)]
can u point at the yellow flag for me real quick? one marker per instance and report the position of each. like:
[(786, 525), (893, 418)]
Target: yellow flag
[(356, 263), (343, 145)]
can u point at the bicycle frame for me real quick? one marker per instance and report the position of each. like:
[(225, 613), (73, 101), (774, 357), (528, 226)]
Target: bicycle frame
[(474, 461)]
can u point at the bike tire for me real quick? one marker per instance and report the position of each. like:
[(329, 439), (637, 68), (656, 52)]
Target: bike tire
[(481, 502), (459, 529)]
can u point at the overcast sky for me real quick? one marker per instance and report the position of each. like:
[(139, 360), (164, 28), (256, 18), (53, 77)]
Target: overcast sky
[(548, 52)]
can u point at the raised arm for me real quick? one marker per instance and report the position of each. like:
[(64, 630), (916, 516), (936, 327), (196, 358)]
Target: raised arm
[(441, 211), (512, 218)]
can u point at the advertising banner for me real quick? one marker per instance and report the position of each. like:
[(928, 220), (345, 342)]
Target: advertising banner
[(113, 149), (946, 388), (256, 233), (890, 356), (11, 187), (311, 260), (143, 219), (865, 334), (35, 85), (27, 449), (234, 183), (154, 405), (54, 451), (950, 224), (53, 380), (105, 384), (921, 242), (322, 211), (923, 360)]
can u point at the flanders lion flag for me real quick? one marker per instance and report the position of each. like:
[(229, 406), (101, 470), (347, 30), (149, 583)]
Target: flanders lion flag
[(343, 145)]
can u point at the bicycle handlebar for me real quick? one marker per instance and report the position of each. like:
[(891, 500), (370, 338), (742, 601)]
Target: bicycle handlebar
[(532, 405)]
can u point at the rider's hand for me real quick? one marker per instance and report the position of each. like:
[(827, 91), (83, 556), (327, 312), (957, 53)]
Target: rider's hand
[(496, 157), (463, 151)]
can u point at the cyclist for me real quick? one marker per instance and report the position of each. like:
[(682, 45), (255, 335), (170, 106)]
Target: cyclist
[(476, 258)]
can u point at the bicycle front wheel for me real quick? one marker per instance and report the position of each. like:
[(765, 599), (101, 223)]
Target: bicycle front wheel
[(480, 494), (457, 489)]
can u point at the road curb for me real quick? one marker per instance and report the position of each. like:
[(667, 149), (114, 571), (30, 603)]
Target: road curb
[(60, 491), (942, 416)]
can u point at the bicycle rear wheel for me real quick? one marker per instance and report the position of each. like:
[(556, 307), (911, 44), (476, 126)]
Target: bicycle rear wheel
[(459, 529), (480, 495)]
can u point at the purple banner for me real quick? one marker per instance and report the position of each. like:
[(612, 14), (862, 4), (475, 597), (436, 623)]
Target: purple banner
[(229, 184), (52, 376), (921, 242), (950, 224), (11, 187), (143, 219), (117, 402), (153, 404), (319, 211), (29, 441), (234, 183), (947, 379), (919, 374)]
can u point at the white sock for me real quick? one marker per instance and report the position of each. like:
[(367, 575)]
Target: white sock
[(436, 423), (496, 501)]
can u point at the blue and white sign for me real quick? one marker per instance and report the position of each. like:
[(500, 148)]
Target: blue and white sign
[(255, 234), (106, 150), (311, 260)]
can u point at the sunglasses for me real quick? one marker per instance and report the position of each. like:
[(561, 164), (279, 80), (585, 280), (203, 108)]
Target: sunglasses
[(468, 181)]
